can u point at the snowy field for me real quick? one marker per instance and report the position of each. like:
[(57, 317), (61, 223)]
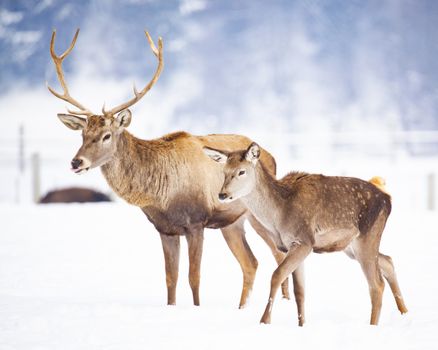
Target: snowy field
[(92, 277)]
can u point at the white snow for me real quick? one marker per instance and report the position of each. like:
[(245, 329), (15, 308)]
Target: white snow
[(92, 277)]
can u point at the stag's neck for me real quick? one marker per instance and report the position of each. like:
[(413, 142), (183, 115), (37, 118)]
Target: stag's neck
[(268, 200), (136, 172)]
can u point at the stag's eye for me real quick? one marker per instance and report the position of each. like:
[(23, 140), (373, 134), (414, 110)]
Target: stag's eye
[(242, 172), (106, 137)]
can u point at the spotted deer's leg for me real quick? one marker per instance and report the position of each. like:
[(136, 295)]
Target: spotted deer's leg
[(278, 255), (376, 286), (234, 235), (171, 260), (195, 240), (297, 253), (298, 278), (387, 267), (366, 252)]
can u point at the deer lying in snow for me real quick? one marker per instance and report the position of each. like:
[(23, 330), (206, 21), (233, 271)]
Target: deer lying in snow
[(307, 212)]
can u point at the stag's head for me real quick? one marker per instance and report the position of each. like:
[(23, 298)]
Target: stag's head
[(239, 171), (100, 132)]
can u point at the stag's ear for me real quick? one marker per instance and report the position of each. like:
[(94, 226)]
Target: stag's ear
[(124, 118), (73, 121), (252, 154), (216, 155)]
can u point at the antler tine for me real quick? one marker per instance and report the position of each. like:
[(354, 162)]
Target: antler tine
[(138, 95), (152, 45), (57, 60)]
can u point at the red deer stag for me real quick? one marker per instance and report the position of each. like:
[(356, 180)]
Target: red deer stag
[(308, 212), (170, 179)]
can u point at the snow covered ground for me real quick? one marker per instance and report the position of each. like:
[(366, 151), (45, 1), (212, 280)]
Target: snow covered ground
[(92, 277)]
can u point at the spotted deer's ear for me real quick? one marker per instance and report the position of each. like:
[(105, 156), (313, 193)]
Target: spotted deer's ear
[(124, 118), (252, 154), (216, 155), (73, 121)]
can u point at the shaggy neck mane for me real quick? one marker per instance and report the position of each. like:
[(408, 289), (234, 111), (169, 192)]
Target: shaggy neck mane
[(140, 185)]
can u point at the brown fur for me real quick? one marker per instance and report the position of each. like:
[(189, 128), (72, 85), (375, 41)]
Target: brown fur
[(308, 212), (175, 184), (169, 179)]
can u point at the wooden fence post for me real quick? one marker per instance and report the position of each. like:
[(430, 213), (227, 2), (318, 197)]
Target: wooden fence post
[(36, 180), (431, 191)]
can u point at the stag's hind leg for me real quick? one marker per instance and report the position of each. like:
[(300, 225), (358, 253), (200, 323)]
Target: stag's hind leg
[(171, 260), (388, 271), (234, 235), (195, 240)]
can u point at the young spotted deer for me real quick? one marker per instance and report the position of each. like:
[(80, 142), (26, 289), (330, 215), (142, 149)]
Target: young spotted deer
[(307, 212), (170, 179)]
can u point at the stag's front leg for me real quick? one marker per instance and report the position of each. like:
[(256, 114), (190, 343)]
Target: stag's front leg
[(297, 253), (195, 240), (234, 235), (171, 258)]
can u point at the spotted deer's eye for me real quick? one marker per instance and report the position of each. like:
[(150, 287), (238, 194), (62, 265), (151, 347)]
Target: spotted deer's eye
[(241, 172), (106, 137)]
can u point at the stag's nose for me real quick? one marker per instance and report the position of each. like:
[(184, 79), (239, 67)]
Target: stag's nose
[(75, 163), (222, 196)]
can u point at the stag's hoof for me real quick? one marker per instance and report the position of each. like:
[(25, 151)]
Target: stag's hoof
[(266, 319)]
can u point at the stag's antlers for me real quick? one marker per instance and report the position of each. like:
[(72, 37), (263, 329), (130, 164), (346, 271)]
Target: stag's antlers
[(85, 111), (138, 95), (58, 64)]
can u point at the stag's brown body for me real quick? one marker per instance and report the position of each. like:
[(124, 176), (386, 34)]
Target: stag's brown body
[(309, 212), (173, 181), (170, 179), (176, 186)]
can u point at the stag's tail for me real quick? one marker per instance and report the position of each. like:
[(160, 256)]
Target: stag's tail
[(379, 182)]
